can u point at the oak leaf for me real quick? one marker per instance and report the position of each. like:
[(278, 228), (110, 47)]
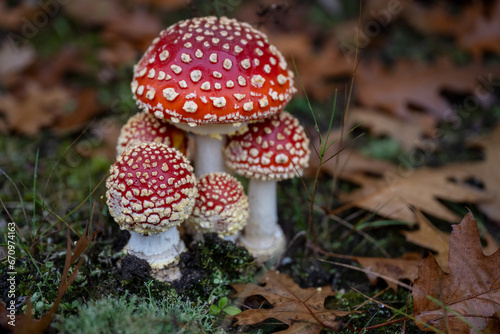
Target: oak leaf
[(395, 194), (429, 236), (412, 85), (316, 66), (467, 299), (485, 171), (408, 134), (301, 309), (389, 269), (38, 108)]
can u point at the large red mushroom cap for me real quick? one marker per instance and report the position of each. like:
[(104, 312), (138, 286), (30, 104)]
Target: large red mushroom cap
[(144, 127), (212, 70), (151, 189), (276, 148), (221, 205)]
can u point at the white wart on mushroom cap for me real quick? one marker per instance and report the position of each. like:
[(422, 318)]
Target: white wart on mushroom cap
[(221, 205), (273, 149), (210, 71), (144, 127), (151, 189)]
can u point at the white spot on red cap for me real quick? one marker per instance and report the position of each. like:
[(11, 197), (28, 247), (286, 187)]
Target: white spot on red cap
[(185, 58), (196, 75), (161, 75), (227, 64), (248, 106), (205, 85), (218, 102), (176, 69), (239, 97), (170, 94), (245, 63), (190, 107), (281, 79), (164, 55), (150, 93), (258, 81)]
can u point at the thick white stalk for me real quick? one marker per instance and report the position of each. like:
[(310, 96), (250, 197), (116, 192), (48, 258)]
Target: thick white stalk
[(262, 231), (160, 249), (209, 155)]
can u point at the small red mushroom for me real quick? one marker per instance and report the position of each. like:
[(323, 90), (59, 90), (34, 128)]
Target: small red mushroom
[(209, 75), (144, 127), (270, 150), (221, 206), (151, 189)]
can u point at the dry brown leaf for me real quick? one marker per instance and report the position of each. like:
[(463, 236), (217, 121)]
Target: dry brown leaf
[(94, 12), (476, 27), (430, 237), (137, 26), (302, 310), (13, 61), (11, 17), (409, 133), (37, 108), (486, 171), (483, 32), (393, 195), (86, 108), (390, 270), (411, 85), (165, 4), (470, 292), (316, 66), (432, 20)]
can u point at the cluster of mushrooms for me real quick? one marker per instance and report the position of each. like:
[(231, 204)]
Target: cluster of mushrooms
[(221, 81)]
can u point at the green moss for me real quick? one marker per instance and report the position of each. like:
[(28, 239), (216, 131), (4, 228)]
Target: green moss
[(132, 314)]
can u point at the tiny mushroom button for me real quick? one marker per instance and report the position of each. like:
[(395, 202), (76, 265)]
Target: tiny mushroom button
[(151, 189), (271, 150), (209, 76), (221, 206), (144, 127)]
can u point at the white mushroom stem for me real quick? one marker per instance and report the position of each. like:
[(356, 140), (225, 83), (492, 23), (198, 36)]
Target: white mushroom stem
[(210, 140), (160, 249), (209, 156), (262, 234)]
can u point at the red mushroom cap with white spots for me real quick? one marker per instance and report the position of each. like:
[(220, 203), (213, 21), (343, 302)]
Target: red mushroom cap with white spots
[(276, 148), (221, 205), (144, 127), (210, 71), (151, 189)]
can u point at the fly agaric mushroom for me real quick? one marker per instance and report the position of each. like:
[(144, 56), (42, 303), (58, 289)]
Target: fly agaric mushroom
[(144, 127), (271, 150), (221, 206), (208, 76), (151, 190)]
